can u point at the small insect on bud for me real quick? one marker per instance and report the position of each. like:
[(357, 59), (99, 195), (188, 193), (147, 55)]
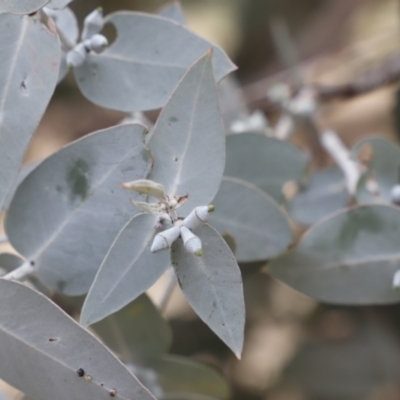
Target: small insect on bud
[(164, 239), (147, 187), (395, 194), (98, 43), (93, 24), (191, 242), (198, 216), (77, 56), (396, 280)]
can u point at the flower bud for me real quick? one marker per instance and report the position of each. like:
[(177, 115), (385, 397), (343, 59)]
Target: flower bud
[(395, 194), (98, 43), (191, 242), (93, 24), (77, 56), (164, 239), (148, 208), (198, 216), (147, 187)]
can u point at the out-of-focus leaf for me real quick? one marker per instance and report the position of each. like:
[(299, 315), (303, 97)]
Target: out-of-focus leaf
[(349, 258), (9, 261), (3, 396), (142, 67), (187, 396), (66, 22), (264, 161), (28, 75), (212, 285), (41, 349), (128, 270), (182, 377), (174, 12), (67, 212), (384, 166), (22, 6), (58, 4), (188, 140), (137, 333), (259, 228), (325, 194)]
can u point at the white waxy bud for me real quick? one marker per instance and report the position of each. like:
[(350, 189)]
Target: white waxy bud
[(162, 220), (191, 242), (198, 216), (395, 194), (147, 187), (97, 43), (77, 56), (93, 23), (396, 280), (164, 239)]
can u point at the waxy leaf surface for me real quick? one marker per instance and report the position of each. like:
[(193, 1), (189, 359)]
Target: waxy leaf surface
[(142, 67), (174, 11), (348, 258), (22, 6), (66, 213)]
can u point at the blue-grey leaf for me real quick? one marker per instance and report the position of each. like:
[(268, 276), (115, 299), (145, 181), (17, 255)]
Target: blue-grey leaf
[(9, 261), (66, 22), (259, 227), (188, 140), (128, 270), (212, 285), (349, 258), (42, 348), (22, 6), (142, 67), (180, 376), (325, 194), (28, 75), (264, 161), (58, 4), (174, 12), (67, 212), (137, 334), (384, 166)]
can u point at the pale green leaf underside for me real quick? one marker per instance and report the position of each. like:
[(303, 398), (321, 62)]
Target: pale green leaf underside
[(129, 269), (212, 285), (142, 67), (41, 348), (188, 139), (28, 75), (74, 206), (259, 228), (349, 258)]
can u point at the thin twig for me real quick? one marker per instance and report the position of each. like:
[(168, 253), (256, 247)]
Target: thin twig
[(21, 273), (168, 289)]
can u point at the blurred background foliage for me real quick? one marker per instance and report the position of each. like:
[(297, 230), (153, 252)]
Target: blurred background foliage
[(295, 349)]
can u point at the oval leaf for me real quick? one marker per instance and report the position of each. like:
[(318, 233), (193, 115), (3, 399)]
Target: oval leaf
[(188, 140), (212, 285), (22, 6), (349, 258), (264, 161), (58, 4), (128, 270), (74, 207), (174, 12), (42, 359), (258, 226), (137, 333), (325, 194), (142, 67), (28, 75), (384, 165), (182, 376)]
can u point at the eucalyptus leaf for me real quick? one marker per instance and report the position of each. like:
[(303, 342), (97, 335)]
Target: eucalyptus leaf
[(348, 258), (137, 333), (174, 12), (142, 67), (212, 285), (42, 359), (186, 396), (58, 4), (28, 75), (384, 167), (22, 6), (325, 194), (66, 22), (259, 228), (128, 270), (74, 206), (9, 261), (264, 161), (182, 376), (188, 140)]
